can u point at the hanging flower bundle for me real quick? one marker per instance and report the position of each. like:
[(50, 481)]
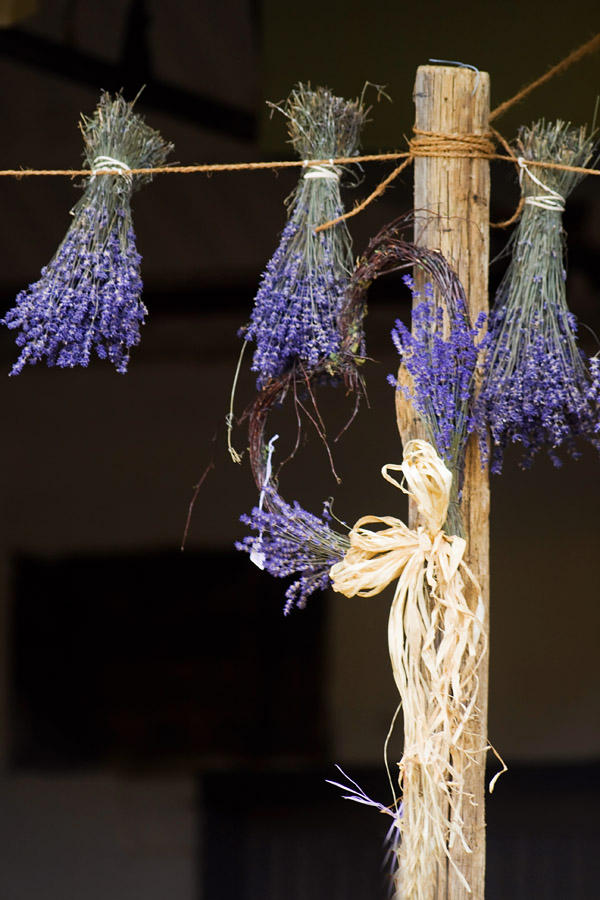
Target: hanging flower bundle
[(305, 328), (539, 389), (89, 295), (294, 323)]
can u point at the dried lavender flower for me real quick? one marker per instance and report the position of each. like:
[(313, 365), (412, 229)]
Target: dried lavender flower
[(354, 792), (539, 390), (442, 362), (293, 542), (301, 295), (89, 295), (441, 354)]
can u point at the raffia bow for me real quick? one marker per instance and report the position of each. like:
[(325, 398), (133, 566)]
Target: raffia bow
[(436, 640)]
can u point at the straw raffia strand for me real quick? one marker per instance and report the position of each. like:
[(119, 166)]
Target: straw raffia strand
[(436, 642)]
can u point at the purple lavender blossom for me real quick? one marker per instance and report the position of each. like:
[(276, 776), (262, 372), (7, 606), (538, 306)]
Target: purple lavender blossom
[(291, 541), (539, 390), (442, 362), (89, 296), (294, 319)]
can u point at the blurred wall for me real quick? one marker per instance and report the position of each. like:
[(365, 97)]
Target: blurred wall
[(93, 462)]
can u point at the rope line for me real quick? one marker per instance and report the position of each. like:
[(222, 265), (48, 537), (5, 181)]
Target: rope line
[(289, 164), (424, 144), (206, 168), (589, 47)]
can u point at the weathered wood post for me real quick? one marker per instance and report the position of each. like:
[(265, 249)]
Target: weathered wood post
[(451, 200)]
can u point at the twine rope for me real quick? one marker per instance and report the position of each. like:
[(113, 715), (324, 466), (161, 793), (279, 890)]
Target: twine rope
[(589, 47), (210, 168), (427, 145), (470, 146)]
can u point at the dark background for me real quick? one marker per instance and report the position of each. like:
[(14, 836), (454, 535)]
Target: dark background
[(164, 732)]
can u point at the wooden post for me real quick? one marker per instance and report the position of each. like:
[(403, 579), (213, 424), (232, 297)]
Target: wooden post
[(451, 200)]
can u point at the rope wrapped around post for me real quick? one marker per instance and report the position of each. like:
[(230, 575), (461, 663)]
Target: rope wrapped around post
[(436, 643)]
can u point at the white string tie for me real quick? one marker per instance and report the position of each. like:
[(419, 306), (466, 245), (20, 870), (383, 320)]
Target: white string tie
[(550, 199), (322, 171), (104, 165), (256, 555)]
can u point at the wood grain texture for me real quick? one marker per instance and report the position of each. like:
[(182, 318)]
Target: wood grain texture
[(451, 201)]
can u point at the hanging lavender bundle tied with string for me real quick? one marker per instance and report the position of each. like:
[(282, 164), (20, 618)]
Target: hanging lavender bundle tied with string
[(539, 389), (89, 295), (294, 323)]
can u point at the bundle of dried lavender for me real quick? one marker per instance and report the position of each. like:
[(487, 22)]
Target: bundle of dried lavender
[(303, 325), (294, 323), (293, 542), (440, 355), (89, 295), (539, 389)]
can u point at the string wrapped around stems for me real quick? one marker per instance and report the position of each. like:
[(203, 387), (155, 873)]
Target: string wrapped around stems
[(539, 389), (89, 295)]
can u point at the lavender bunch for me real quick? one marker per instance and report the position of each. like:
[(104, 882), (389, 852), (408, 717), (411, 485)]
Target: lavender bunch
[(440, 357), (301, 294), (539, 389), (89, 295), (442, 363), (292, 541)]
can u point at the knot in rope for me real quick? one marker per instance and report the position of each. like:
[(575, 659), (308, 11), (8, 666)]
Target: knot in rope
[(550, 199), (376, 558), (430, 143), (429, 482), (108, 165), (424, 540), (321, 171)]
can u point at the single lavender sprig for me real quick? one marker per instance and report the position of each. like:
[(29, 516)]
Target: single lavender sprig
[(89, 296), (354, 792), (539, 390), (293, 542), (295, 320)]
